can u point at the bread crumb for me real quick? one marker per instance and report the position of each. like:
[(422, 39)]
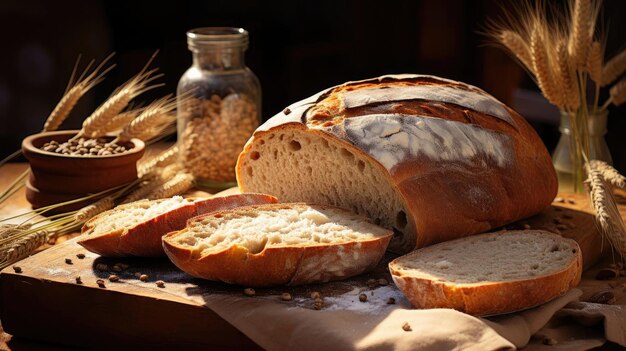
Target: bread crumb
[(406, 326), (249, 292), (285, 296)]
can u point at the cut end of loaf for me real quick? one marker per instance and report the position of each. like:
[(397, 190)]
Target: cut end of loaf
[(490, 273), (277, 244), (300, 166)]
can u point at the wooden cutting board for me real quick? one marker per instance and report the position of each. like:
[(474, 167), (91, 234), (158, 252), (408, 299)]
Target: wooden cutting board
[(44, 302)]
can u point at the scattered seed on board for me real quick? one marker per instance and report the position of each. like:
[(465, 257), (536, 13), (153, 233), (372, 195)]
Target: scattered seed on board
[(79, 280), (249, 292), (17, 269), (100, 283), (80, 256), (316, 295), (548, 341), (406, 326), (285, 296), (68, 260), (391, 301), (571, 201), (383, 282), (160, 283), (114, 278), (559, 199), (362, 297), (143, 277), (102, 267)]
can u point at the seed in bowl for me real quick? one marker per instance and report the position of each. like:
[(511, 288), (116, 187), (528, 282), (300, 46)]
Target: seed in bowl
[(86, 147)]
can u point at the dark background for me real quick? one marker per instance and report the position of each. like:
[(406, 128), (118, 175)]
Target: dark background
[(296, 49)]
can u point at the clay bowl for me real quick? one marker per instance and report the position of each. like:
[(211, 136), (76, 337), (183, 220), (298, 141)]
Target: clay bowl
[(57, 178)]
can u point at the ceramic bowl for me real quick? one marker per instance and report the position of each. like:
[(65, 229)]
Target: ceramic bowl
[(56, 178)]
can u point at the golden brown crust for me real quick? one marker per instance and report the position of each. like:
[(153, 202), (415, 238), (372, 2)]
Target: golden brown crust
[(445, 199), (144, 239), (283, 265), (483, 299)]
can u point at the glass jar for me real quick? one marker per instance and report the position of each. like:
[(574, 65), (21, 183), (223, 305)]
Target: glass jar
[(569, 168), (219, 105)]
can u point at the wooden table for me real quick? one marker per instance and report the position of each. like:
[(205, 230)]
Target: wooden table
[(18, 204)]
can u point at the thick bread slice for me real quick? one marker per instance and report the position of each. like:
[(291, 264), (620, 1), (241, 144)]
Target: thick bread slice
[(431, 158), (490, 273), (135, 229), (280, 244)]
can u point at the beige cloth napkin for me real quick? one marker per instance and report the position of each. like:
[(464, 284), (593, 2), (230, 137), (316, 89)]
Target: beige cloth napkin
[(348, 324)]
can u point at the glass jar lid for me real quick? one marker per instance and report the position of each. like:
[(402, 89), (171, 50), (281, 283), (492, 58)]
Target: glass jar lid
[(223, 37)]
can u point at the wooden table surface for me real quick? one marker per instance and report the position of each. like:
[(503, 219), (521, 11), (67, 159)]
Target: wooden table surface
[(18, 204)]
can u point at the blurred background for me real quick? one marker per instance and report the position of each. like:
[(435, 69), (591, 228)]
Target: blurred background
[(296, 49)]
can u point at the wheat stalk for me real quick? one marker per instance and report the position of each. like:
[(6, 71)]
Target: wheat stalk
[(614, 68), (85, 213), (75, 91), (609, 173), (151, 121), (581, 32), (96, 123), (543, 73), (567, 77), (594, 62), (163, 159), (514, 42), (10, 230), (23, 247), (176, 186), (121, 120), (606, 213)]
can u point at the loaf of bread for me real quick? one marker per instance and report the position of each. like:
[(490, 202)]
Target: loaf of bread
[(490, 273), (279, 244), (135, 229), (432, 158)]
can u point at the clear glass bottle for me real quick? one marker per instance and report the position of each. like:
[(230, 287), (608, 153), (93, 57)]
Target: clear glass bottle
[(219, 105), (564, 158)]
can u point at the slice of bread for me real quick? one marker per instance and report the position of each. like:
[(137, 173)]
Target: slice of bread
[(279, 244), (490, 273), (135, 229)]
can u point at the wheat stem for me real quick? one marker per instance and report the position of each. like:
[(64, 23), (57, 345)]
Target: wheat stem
[(165, 158), (607, 215)]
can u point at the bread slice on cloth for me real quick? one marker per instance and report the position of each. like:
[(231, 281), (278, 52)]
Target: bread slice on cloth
[(279, 244), (432, 158), (135, 229), (490, 273)]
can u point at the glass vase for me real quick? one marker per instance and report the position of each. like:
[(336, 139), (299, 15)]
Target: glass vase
[(568, 156)]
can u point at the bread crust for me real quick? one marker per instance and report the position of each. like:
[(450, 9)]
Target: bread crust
[(509, 177), (283, 265), (144, 239), (484, 299)]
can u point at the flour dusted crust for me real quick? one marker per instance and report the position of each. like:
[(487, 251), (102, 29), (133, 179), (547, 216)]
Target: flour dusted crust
[(460, 161)]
